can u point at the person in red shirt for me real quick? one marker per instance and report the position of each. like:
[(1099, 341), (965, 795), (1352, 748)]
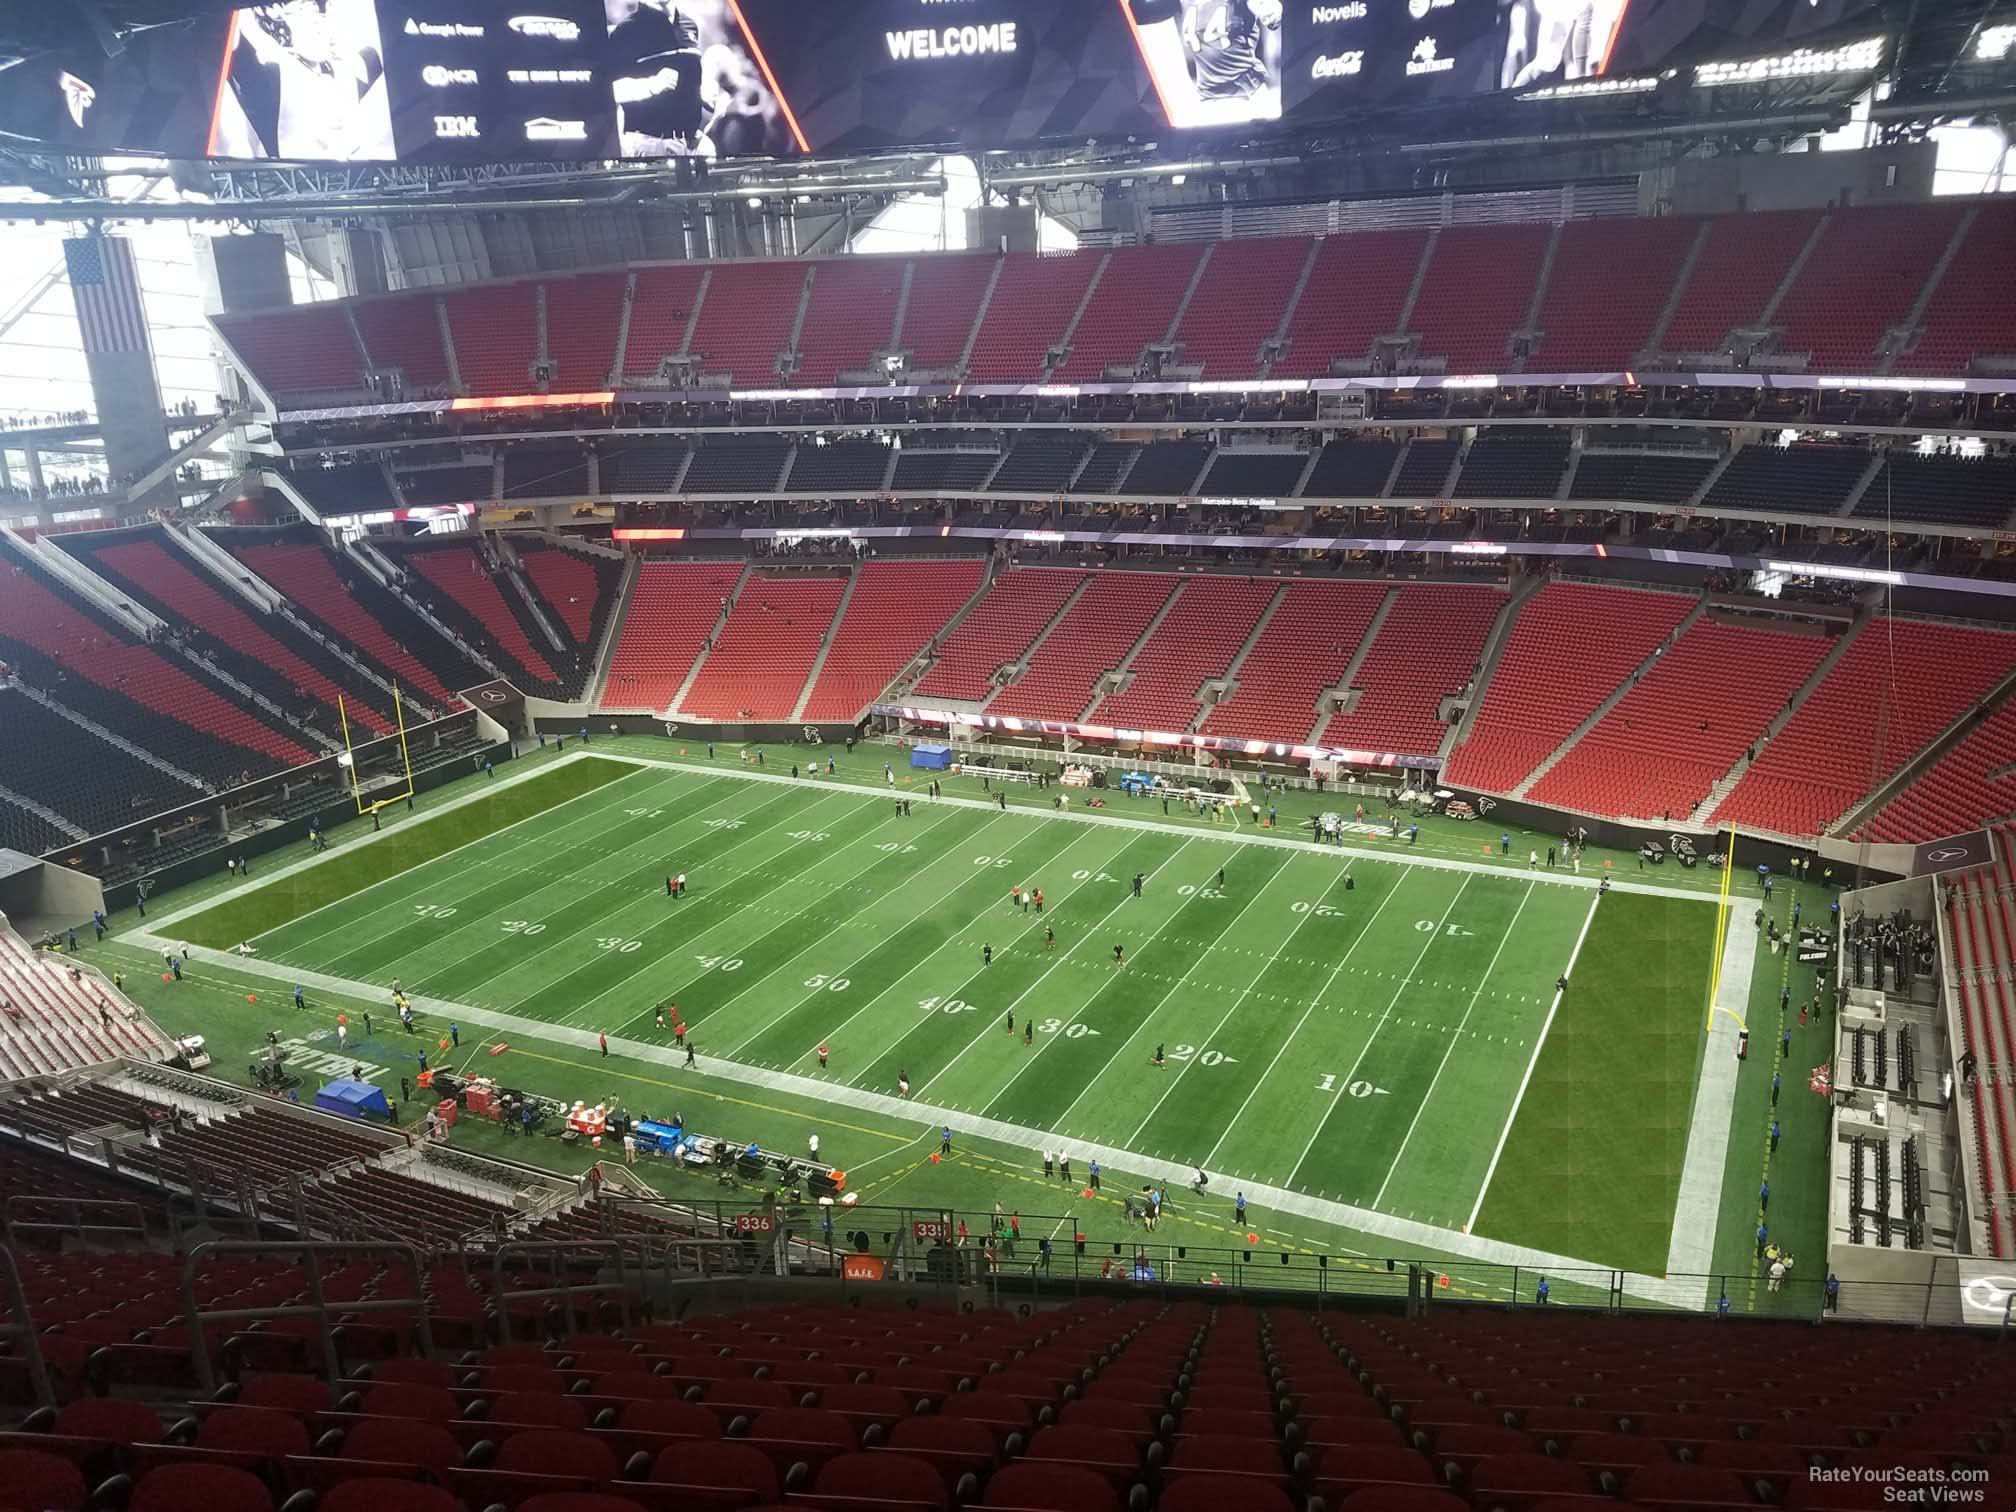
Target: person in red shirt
[(603, 1038)]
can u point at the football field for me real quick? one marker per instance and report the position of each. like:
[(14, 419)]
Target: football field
[(1380, 1031)]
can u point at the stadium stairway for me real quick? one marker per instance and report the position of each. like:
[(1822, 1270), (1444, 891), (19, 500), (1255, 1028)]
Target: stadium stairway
[(1979, 925), (1613, 698), (1724, 785), (656, 649), (1093, 636), (1973, 781), (1313, 638), (826, 641), (1001, 632), (757, 667), (596, 695), (893, 611), (1215, 690), (1190, 644)]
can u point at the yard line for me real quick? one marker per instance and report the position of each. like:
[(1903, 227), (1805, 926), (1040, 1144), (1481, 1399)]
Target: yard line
[(601, 791), (1237, 1003), (1532, 1061), (1079, 1012), (1454, 1040), (461, 888), (840, 1028), (1344, 1082), (607, 921), (1069, 951), (475, 795), (1314, 1003), (877, 945), (881, 897)]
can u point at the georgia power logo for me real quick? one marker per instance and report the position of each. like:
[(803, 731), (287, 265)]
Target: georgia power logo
[(546, 28)]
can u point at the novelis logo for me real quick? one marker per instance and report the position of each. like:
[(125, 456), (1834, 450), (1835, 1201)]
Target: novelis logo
[(1330, 15), (436, 76), (1342, 66), (546, 28)]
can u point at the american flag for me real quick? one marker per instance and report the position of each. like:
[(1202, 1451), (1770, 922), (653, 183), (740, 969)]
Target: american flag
[(106, 287)]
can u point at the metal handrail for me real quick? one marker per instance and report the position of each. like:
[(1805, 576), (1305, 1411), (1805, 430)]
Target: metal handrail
[(312, 1253), (557, 1251), (14, 1227), (23, 1324)]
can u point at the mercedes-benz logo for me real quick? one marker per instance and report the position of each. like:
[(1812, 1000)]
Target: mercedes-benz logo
[(1989, 1293), (1947, 853), (493, 695)]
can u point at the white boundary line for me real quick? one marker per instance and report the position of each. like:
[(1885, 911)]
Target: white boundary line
[(1539, 1044)]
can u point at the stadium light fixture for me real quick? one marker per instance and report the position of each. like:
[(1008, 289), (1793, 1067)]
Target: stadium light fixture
[(1593, 89), (754, 202), (1800, 63), (1994, 43)]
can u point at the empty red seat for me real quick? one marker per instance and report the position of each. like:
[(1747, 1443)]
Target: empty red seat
[(114, 1419), (1615, 1449), (1517, 1480), (401, 1441), (733, 1466), (1034, 1486), (1227, 1455), (1676, 1485), (376, 1494), (288, 1393), (1354, 1465), (679, 1419), (182, 1488), (1402, 1499), (543, 1452), (40, 1482), (416, 1372), (887, 1480), (400, 1399), (254, 1430), (578, 1501), (1215, 1493), (538, 1409), (955, 1445)]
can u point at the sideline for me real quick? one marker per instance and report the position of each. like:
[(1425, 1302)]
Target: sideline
[(1700, 1203)]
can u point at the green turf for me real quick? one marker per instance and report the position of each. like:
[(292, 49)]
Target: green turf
[(351, 871), (1592, 1165), (1353, 1028)]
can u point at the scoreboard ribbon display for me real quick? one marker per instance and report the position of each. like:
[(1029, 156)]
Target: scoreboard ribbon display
[(587, 80)]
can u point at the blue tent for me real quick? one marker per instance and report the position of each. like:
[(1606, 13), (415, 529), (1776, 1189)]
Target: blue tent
[(933, 758), (353, 1099)]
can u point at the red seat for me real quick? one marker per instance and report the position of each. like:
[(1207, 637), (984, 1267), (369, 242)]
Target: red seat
[(578, 1501), (400, 1441), (543, 1452), (1031, 1486), (39, 1482), (416, 1372), (1124, 1417), (1245, 1425), (1091, 1446), (1677, 1485), (377, 1494), (1213, 1493), (537, 1409), (1239, 1456), (402, 1400), (679, 1419), (180, 1488), (288, 1393), (254, 1430), (1610, 1450), (958, 1447), (805, 1425), (1402, 1499), (886, 1480), (733, 1466), (114, 1419), (1353, 1465), (1517, 1480)]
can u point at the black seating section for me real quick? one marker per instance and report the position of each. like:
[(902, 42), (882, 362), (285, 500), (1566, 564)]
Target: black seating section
[(1806, 478), (23, 829), (1039, 465), (1352, 470), (842, 467), (456, 582), (381, 1202), (1977, 491), (956, 470), (736, 465), (578, 591), (345, 488), (1514, 464), (1651, 478), (471, 483), (1425, 469), (546, 472), (1109, 462), (1167, 467), (1254, 475), (641, 467), (421, 639), (90, 782)]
